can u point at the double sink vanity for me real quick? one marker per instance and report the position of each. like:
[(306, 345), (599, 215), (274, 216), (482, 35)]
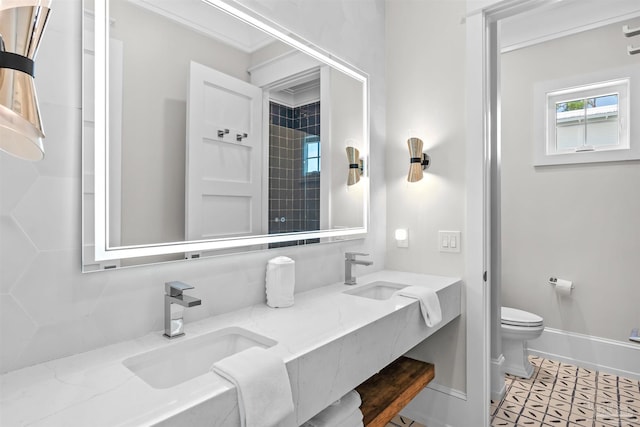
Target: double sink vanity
[(332, 339)]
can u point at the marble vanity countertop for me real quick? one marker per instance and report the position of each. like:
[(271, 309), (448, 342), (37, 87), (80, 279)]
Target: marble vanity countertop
[(95, 388)]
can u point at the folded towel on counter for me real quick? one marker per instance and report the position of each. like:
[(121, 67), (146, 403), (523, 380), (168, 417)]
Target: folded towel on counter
[(262, 382), (429, 303), (336, 413), (280, 281), (353, 420)]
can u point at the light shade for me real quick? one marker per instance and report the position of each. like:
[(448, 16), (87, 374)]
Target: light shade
[(355, 165), (418, 160), (22, 23)]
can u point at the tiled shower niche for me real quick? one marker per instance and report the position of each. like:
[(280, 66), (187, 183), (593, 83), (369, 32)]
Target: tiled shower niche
[(294, 170)]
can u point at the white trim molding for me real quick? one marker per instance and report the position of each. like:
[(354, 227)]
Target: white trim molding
[(475, 410), (605, 355), (498, 386), (563, 18)]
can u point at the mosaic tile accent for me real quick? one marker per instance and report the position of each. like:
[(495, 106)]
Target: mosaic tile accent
[(559, 394)]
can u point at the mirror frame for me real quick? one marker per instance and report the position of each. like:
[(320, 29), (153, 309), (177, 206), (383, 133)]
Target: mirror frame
[(104, 252)]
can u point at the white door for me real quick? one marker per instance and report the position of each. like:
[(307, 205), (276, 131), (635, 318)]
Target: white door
[(224, 156)]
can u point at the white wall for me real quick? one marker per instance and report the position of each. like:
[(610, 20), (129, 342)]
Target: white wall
[(577, 222), (426, 98), (48, 309)]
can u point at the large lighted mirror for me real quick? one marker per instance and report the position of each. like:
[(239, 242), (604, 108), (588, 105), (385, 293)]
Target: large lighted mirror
[(210, 130)]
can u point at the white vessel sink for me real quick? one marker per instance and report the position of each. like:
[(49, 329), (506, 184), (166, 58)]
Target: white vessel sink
[(189, 358), (376, 290)]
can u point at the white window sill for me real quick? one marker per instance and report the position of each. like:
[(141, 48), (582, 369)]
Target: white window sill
[(589, 157)]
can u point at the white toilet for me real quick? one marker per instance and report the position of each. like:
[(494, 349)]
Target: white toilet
[(518, 327)]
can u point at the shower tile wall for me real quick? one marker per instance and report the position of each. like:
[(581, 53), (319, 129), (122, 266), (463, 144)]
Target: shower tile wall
[(293, 194)]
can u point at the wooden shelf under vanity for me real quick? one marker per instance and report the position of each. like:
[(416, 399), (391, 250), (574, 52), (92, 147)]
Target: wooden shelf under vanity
[(387, 392)]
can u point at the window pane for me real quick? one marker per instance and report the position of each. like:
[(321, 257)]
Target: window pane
[(602, 120), (575, 105), (570, 124), (311, 154), (312, 165), (312, 149), (570, 136)]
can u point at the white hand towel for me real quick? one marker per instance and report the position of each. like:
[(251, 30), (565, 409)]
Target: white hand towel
[(280, 282), (353, 420), (429, 303), (335, 414), (262, 382)]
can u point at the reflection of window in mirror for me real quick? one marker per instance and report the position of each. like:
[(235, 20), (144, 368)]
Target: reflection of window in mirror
[(311, 154)]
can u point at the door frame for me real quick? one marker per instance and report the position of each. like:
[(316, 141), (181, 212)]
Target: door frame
[(486, 104), (270, 83), (482, 142)]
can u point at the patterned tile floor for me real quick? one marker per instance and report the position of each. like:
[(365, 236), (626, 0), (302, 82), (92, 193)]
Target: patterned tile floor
[(558, 394), (399, 421)]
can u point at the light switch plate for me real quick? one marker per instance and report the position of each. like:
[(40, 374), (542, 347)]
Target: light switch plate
[(449, 241)]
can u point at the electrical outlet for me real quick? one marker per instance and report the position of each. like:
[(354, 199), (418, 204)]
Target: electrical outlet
[(449, 241)]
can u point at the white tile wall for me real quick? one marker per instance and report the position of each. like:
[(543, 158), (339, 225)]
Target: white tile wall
[(47, 213), (17, 177), (48, 308), (16, 252)]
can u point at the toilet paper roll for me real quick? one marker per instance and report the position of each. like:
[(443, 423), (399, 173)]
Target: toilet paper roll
[(563, 287)]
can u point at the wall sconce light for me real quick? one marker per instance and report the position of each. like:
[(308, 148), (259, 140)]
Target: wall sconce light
[(22, 23), (356, 165), (419, 161)]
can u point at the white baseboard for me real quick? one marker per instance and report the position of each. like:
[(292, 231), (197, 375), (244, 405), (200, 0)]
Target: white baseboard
[(438, 406), (498, 387), (613, 357)]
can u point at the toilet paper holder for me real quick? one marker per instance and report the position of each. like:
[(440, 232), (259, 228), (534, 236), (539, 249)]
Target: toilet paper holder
[(554, 281)]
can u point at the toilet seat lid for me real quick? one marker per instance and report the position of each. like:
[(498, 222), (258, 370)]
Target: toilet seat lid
[(515, 317)]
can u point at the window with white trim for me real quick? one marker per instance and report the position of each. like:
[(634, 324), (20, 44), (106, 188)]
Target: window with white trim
[(588, 118)]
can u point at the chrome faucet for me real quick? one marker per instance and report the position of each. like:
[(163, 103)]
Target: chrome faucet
[(349, 260), (174, 304)]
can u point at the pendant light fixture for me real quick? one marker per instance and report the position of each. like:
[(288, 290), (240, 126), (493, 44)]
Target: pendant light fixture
[(22, 23)]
